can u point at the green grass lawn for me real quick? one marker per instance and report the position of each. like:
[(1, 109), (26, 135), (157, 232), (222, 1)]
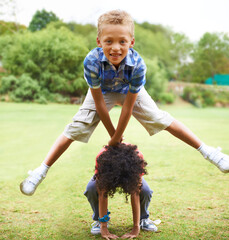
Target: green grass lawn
[(191, 196)]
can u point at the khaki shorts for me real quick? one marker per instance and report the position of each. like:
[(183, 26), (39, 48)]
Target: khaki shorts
[(145, 111)]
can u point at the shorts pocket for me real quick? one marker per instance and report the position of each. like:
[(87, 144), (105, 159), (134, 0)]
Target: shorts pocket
[(85, 116)]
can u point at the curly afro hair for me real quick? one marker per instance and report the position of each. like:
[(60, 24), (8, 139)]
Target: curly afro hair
[(119, 168)]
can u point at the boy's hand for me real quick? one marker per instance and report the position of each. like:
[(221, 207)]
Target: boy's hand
[(114, 142), (106, 234), (133, 234)]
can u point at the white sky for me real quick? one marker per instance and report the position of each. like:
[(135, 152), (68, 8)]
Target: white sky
[(191, 17)]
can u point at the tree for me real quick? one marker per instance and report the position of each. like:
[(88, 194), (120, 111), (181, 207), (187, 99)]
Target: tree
[(181, 48), (41, 19), (210, 56), (171, 49), (88, 31), (10, 27), (156, 79)]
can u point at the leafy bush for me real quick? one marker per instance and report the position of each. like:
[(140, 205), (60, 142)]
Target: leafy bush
[(8, 84), (26, 89), (52, 57), (10, 27), (20, 89), (156, 80), (203, 97), (167, 97)]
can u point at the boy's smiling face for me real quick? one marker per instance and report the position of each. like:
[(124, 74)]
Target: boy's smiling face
[(115, 41)]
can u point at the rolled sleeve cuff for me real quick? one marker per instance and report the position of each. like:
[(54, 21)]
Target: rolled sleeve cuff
[(95, 87)]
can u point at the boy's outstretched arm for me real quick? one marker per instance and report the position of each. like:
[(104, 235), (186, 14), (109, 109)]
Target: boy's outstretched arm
[(124, 118), (102, 110), (135, 203)]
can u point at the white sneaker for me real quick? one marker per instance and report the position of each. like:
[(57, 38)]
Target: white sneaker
[(219, 159), (148, 225), (95, 228), (29, 185)]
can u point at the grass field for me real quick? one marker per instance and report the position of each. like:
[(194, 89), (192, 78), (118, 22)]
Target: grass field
[(191, 196)]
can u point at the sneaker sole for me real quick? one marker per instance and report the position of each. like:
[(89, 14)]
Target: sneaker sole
[(95, 233), (149, 230), (224, 171)]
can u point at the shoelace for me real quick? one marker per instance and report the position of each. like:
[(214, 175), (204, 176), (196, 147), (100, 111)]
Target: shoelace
[(97, 224), (145, 221), (149, 221), (217, 155), (34, 177)]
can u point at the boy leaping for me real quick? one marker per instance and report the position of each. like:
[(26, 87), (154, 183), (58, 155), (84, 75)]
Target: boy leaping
[(115, 73)]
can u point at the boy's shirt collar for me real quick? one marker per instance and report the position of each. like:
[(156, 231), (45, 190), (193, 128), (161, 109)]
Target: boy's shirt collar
[(126, 61)]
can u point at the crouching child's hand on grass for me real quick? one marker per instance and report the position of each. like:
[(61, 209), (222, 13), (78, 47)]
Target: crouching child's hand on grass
[(106, 234), (133, 234)]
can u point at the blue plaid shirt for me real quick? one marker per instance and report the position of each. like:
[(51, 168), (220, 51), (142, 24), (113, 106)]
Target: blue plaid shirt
[(99, 72)]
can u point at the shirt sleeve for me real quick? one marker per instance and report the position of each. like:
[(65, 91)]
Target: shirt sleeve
[(91, 71), (138, 79)]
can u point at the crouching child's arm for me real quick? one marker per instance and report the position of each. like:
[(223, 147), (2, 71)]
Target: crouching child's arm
[(135, 203), (103, 217)]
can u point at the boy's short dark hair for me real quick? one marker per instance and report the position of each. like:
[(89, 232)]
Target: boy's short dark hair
[(120, 168)]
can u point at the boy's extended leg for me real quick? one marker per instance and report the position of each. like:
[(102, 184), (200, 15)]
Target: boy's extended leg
[(180, 131), (60, 146), (213, 155), (29, 185), (154, 120), (83, 125)]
